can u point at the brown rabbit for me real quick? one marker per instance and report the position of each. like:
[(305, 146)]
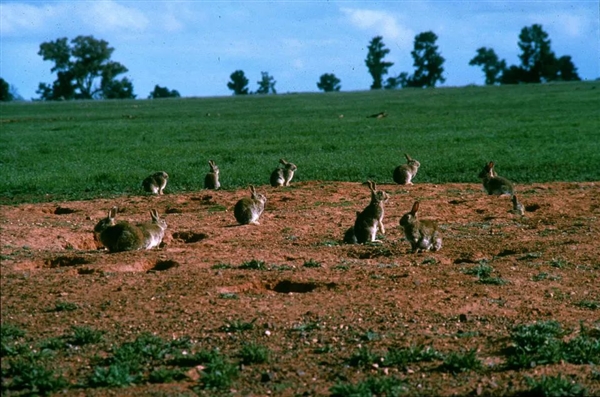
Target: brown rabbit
[(518, 207), (124, 236), (423, 235), (156, 182), (494, 184), (248, 209), (211, 180), (370, 220), (403, 174), (283, 176)]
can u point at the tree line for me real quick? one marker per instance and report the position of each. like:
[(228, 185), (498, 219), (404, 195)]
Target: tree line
[(84, 69)]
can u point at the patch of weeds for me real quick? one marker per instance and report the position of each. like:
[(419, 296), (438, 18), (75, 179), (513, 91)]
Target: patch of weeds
[(371, 386), (312, 264), (363, 358), (553, 386), (192, 360), (461, 362), (559, 263), (84, 335), (228, 295), (165, 375), (8, 340), (583, 349), (401, 357), (27, 374), (545, 276), (323, 349), (535, 344), (218, 374), (468, 334), (221, 266), (238, 326), (482, 270), (62, 306), (306, 327), (370, 336), (588, 304), (116, 375), (253, 264), (254, 354), (530, 255), (341, 267), (52, 344), (429, 261)]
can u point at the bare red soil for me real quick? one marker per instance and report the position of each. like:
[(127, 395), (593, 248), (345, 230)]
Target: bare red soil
[(49, 255)]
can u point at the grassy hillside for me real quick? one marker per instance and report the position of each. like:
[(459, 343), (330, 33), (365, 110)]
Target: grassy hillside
[(75, 150)]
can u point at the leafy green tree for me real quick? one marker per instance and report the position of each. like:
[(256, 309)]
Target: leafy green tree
[(492, 66), (163, 92), (266, 84), (537, 59), (79, 65), (328, 83), (566, 70), (375, 63), (427, 60), (238, 83), (5, 94)]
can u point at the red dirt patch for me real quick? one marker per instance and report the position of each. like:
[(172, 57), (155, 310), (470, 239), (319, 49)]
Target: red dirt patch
[(49, 254)]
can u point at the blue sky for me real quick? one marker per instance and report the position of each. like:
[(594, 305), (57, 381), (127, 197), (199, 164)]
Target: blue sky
[(194, 46)]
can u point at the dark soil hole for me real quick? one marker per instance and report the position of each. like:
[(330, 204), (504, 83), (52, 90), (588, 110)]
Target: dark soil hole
[(86, 270), (480, 211), (63, 211), (287, 286), (67, 261), (455, 202), (171, 210), (532, 207), (189, 237), (164, 265), (506, 252)]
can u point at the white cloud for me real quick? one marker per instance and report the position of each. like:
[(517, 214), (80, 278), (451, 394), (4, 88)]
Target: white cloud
[(108, 16), (381, 23), (16, 18)]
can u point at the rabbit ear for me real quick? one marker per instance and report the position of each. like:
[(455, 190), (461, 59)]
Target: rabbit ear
[(407, 157), (490, 165), (371, 185), (415, 208), (252, 190), (112, 213), (154, 214), (282, 161)]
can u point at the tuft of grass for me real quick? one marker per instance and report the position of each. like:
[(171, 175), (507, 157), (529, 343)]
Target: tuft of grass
[(401, 357), (253, 264), (253, 353), (545, 276), (559, 263), (27, 374), (9, 335), (237, 326), (116, 375), (371, 386), (221, 266), (218, 374), (312, 264), (363, 357), (457, 362), (84, 335), (553, 386), (62, 306), (588, 304), (482, 270), (165, 375)]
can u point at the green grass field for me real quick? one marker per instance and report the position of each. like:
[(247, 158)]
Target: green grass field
[(86, 149)]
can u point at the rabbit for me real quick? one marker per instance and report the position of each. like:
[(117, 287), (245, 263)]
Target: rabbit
[(403, 174), (156, 182), (124, 236), (518, 207), (211, 180), (283, 176), (422, 234), (248, 209), (371, 218), (494, 184), (350, 236)]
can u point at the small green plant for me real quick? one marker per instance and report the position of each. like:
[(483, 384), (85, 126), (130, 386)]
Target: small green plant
[(588, 304), (401, 357), (62, 306), (554, 386), (191, 360), (84, 335), (116, 375), (370, 336), (372, 386), (363, 357), (52, 344), (461, 362), (535, 344), (238, 326), (253, 264), (30, 375), (482, 270), (221, 266), (545, 276), (254, 354), (312, 264), (228, 295), (9, 334), (165, 375), (559, 263), (218, 374)]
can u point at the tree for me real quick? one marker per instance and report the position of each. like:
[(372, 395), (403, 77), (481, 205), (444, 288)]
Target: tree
[(377, 67), (537, 59), (492, 66), (427, 60), (328, 82), (163, 92), (238, 83), (5, 94), (566, 70), (79, 66), (266, 84)]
